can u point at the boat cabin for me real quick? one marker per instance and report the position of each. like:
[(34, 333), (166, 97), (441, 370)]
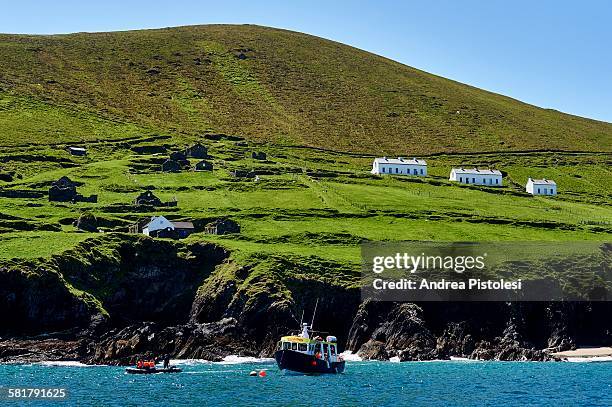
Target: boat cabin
[(321, 349)]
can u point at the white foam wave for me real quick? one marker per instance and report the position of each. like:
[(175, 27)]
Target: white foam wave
[(350, 356), (235, 359), (64, 363), (228, 360), (460, 359), (394, 359)]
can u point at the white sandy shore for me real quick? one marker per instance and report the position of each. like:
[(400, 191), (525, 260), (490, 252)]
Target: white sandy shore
[(585, 353)]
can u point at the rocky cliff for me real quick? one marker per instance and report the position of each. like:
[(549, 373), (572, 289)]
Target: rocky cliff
[(118, 297)]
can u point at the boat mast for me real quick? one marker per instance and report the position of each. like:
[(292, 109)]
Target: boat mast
[(302, 319), (313, 315)]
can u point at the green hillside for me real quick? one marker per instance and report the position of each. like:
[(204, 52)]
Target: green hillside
[(318, 109), (265, 84)]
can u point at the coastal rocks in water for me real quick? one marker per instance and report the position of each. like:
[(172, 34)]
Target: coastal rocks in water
[(373, 350), (455, 341), (393, 330), (34, 350), (209, 341), (504, 331)]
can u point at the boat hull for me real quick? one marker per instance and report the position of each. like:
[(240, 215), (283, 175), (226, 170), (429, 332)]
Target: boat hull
[(306, 364), (133, 370)]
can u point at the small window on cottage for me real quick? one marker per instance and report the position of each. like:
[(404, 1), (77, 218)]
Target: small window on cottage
[(460, 179), (415, 171), (497, 181), (383, 169), (422, 172), (538, 190), (545, 191), (396, 170), (473, 180)]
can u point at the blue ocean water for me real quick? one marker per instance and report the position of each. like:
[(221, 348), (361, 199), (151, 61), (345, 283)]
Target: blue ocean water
[(443, 383)]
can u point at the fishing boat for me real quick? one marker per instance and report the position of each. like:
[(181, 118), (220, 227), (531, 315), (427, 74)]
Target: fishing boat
[(305, 354), (152, 370)]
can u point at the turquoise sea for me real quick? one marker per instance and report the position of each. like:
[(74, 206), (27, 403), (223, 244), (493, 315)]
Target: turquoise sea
[(443, 383)]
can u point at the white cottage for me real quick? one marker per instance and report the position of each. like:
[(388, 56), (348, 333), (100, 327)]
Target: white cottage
[(541, 186), (157, 223), (477, 176), (400, 166)]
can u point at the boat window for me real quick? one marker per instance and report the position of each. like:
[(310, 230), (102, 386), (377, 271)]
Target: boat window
[(333, 349), (294, 346), (318, 347), (286, 345), (303, 347), (325, 348)]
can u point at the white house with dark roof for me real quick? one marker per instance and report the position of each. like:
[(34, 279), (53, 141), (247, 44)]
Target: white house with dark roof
[(399, 166), (541, 187), (477, 176), (159, 226)]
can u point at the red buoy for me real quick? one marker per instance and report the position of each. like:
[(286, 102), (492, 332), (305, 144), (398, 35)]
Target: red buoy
[(314, 363), (262, 373)]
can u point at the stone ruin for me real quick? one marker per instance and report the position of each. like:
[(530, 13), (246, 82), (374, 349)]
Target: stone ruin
[(65, 190), (196, 151), (178, 156), (222, 227), (176, 162), (87, 222), (171, 166), (258, 155), (203, 166), (242, 174), (148, 198)]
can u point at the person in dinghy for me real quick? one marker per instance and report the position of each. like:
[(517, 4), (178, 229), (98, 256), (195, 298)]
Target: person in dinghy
[(302, 354), (149, 367)]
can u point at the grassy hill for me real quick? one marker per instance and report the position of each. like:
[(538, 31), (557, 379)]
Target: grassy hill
[(319, 109), (265, 84)]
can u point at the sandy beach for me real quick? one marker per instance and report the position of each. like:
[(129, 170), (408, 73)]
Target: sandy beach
[(585, 353)]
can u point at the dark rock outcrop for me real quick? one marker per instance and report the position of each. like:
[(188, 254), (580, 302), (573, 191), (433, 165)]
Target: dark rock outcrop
[(210, 341), (391, 329)]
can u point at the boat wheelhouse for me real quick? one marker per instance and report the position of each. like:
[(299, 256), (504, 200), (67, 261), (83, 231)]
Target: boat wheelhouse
[(303, 354)]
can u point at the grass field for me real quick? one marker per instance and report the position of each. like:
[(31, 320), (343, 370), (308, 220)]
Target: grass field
[(292, 209)]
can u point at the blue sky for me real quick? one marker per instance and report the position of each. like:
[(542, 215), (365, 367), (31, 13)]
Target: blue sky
[(554, 54)]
